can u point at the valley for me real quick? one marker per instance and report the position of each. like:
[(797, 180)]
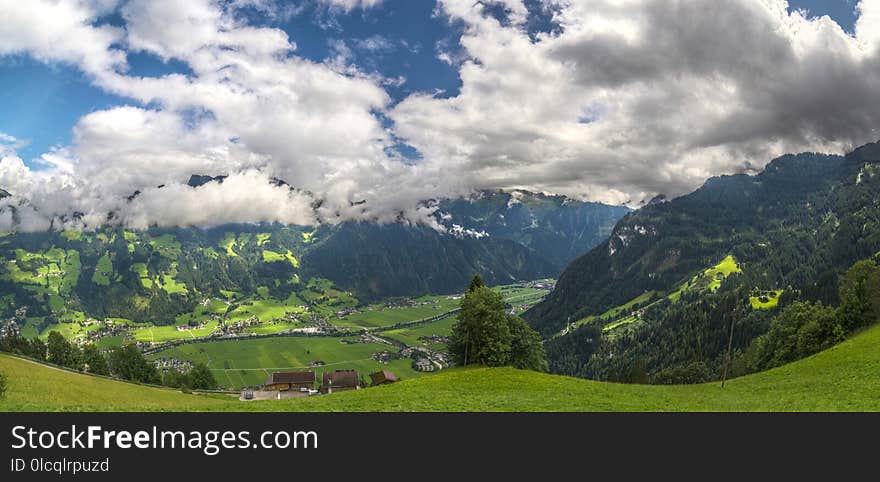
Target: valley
[(842, 378), (243, 339)]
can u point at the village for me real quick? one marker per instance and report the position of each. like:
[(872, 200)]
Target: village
[(404, 335), (301, 383)]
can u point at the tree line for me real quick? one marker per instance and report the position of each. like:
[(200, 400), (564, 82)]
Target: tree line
[(125, 362)]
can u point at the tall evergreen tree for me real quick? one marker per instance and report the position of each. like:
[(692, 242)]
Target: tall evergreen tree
[(476, 282), (93, 361), (129, 363), (486, 335), (61, 352), (201, 377), (860, 295)]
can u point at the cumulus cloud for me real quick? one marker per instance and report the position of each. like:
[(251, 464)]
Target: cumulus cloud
[(61, 31), (621, 101), (630, 98), (241, 198), (249, 105), (10, 144)]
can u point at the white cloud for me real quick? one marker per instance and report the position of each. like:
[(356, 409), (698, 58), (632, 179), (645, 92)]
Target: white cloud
[(60, 31), (10, 144), (244, 197), (637, 97), (629, 98), (375, 43), (249, 109), (349, 5)]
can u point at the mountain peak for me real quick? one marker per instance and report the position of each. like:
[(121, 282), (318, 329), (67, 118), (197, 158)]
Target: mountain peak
[(197, 180), (658, 199)]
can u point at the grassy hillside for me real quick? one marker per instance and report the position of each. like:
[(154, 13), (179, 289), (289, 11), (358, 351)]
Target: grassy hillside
[(844, 378)]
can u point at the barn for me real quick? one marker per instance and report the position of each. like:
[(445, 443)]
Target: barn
[(340, 380), (383, 377), (290, 380)]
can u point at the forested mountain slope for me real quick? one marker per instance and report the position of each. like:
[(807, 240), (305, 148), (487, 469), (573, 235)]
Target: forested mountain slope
[(798, 224)]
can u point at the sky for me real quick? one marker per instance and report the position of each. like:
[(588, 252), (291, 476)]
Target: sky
[(396, 102)]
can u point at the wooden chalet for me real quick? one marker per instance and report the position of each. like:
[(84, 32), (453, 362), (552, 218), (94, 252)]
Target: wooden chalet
[(340, 380), (290, 380), (383, 377)]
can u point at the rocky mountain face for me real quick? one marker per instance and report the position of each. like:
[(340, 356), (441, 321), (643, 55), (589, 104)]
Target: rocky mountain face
[(556, 227)]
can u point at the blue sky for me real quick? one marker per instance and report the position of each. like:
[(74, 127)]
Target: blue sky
[(41, 103)]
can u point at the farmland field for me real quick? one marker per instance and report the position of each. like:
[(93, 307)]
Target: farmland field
[(376, 316), (239, 363), (410, 335), (159, 334)]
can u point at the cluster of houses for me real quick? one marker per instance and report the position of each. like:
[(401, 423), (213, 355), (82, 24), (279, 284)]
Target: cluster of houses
[(426, 359), (169, 364), (198, 326), (434, 339), (384, 356), (107, 329), (346, 312), (322, 324), (9, 326), (407, 303), (366, 338), (540, 285), (236, 327), (303, 382)]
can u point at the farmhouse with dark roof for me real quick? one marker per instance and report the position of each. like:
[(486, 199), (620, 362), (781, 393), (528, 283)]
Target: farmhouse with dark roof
[(290, 380), (383, 377), (340, 380)]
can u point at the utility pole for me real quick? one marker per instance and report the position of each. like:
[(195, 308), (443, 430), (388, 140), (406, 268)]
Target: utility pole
[(729, 349), (467, 332)]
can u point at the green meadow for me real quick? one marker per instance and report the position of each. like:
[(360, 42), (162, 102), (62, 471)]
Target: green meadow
[(242, 362), (411, 335), (843, 378)]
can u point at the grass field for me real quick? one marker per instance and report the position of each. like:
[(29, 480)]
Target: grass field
[(240, 363), (273, 257), (720, 271), (228, 243), (159, 334), (378, 316), (167, 246), (103, 271), (411, 335), (766, 300), (844, 378), (265, 310)]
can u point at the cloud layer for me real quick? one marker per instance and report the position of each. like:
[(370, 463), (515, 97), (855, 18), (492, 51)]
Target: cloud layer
[(623, 100)]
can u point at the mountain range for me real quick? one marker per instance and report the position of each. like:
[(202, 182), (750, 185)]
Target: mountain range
[(155, 274)]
